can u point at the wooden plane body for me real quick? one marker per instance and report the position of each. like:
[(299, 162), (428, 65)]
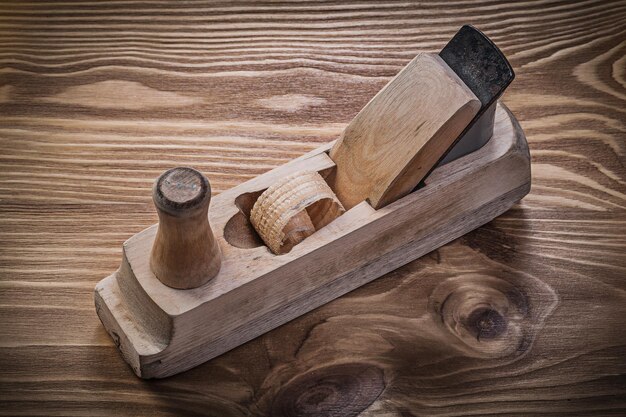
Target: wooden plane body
[(162, 331)]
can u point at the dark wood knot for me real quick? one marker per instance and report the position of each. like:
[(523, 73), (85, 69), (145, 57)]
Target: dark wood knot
[(491, 316), (341, 390), (486, 323)]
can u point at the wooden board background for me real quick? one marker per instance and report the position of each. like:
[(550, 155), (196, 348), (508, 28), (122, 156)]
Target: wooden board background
[(524, 316)]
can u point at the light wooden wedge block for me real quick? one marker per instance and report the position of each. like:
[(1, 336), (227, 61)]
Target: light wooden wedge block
[(162, 331), (399, 136)]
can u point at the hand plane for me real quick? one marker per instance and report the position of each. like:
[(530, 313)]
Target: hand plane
[(431, 157)]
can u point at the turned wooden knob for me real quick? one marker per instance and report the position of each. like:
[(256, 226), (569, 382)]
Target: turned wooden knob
[(185, 253)]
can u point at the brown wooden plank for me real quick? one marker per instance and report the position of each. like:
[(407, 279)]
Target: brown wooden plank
[(237, 89)]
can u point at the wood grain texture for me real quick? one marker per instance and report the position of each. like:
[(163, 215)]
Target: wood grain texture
[(96, 100)]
